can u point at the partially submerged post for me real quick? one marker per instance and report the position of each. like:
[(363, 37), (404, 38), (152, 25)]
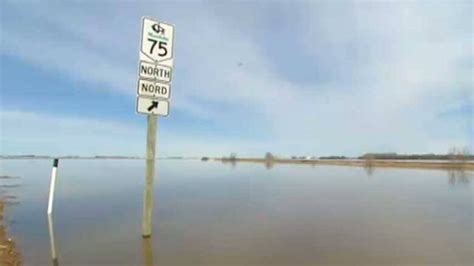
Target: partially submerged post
[(52, 185), (153, 93), (149, 176)]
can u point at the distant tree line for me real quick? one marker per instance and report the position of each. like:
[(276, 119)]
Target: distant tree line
[(333, 158), (232, 157), (452, 155), (269, 156)]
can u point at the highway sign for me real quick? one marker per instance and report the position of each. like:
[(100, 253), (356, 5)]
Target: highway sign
[(153, 89), (152, 106), (155, 67), (149, 70), (157, 41)]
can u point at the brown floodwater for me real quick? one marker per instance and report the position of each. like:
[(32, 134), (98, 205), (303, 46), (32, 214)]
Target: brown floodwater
[(209, 213)]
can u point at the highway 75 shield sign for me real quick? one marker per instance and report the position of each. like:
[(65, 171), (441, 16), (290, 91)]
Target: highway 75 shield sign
[(157, 42)]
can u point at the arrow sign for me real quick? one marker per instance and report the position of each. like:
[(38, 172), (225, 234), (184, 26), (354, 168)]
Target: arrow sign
[(154, 104)]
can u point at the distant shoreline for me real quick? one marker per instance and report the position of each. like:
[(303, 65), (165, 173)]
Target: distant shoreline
[(384, 163), (417, 164)]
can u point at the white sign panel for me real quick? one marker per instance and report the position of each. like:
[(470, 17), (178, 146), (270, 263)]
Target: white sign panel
[(154, 71), (157, 42), (153, 89), (152, 106), (155, 67)]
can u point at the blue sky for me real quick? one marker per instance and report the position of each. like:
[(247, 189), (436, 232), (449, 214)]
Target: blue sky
[(312, 78)]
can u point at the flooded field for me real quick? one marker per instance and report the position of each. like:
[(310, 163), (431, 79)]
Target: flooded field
[(209, 213)]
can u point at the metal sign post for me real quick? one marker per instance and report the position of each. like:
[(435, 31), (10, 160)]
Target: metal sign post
[(155, 69)]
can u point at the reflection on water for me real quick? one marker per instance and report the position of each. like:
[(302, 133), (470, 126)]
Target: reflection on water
[(52, 242), (9, 186), (147, 251), (232, 163), (147, 247), (459, 176), (369, 169), (212, 214), (269, 164)]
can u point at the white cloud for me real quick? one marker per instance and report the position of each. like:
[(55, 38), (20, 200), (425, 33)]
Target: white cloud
[(391, 68), (26, 133), (46, 134)]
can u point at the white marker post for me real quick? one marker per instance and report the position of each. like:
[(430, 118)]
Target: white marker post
[(155, 70), (52, 185)]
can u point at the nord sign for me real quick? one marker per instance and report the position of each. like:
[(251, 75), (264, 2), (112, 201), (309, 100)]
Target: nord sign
[(153, 89)]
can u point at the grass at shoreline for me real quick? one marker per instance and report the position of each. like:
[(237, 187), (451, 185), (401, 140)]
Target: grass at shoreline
[(9, 254)]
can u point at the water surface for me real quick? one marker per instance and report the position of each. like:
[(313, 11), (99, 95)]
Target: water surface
[(209, 213)]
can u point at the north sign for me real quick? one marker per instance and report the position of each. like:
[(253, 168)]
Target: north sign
[(149, 70)]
